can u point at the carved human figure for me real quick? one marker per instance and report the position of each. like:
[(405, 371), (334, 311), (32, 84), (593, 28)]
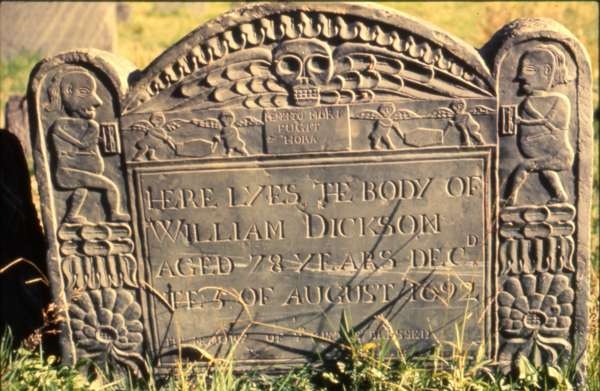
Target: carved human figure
[(230, 135), (543, 122), (74, 137), (386, 118), (155, 137), (381, 132), (465, 123), (229, 132)]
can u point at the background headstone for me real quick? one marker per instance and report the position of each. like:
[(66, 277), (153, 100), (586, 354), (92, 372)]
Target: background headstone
[(47, 28), (16, 119)]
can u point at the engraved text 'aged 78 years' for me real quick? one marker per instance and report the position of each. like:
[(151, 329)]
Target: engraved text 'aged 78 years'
[(288, 168)]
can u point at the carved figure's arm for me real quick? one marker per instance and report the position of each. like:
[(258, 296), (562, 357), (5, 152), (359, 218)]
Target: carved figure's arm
[(539, 118), (60, 132), (534, 121), (160, 133), (91, 135), (398, 130), (163, 135), (538, 121), (473, 124)]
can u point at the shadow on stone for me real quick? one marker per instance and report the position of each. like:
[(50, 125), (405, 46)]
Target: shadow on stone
[(23, 296)]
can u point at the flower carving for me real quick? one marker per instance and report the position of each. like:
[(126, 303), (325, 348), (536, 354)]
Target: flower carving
[(106, 325), (535, 316)]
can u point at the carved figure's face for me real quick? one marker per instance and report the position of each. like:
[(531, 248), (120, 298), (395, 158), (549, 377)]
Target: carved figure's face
[(78, 95), (458, 107), (158, 119), (304, 65), (227, 118), (386, 109), (536, 71)]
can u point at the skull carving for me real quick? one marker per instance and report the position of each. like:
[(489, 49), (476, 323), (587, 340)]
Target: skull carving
[(303, 65)]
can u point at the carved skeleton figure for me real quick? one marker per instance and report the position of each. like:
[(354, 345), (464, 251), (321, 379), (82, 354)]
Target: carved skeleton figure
[(543, 121), (74, 137)]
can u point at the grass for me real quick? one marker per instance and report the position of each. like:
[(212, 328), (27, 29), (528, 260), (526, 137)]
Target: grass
[(150, 29), (360, 366)]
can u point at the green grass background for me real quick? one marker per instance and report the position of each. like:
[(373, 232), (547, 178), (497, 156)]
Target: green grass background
[(152, 27)]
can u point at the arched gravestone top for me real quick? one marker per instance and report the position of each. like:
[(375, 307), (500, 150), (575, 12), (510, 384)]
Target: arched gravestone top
[(285, 167), (234, 36)]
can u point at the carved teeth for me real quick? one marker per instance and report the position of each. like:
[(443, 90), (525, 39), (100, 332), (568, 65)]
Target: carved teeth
[(306, 95)]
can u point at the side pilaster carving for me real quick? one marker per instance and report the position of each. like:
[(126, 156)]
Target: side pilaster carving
[(75, 101), (544, 124)]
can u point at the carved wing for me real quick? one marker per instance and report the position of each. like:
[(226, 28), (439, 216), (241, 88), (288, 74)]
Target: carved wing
[(211, 123), (249, 121), (361, 73), (368, 115), (245, 80), (404, 114), (441, 112), (174, 124), (409, 70), (142, 125), (481, 110)]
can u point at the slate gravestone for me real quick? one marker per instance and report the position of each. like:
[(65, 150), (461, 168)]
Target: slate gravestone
[(286, 168), (48, 28)]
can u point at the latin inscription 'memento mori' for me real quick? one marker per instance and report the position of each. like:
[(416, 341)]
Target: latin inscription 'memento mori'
[(295, 243)]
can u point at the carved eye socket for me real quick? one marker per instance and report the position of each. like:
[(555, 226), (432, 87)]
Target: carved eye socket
[(289, 65), (318, 64), (84, 91)]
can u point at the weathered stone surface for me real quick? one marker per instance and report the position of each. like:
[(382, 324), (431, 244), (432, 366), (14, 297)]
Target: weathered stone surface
[(288, 166), (49, 28)]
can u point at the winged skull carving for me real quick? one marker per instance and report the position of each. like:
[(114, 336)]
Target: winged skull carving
[(309, 71)]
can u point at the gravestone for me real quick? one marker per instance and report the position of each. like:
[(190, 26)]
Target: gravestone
[(48, 28), (288, 168)]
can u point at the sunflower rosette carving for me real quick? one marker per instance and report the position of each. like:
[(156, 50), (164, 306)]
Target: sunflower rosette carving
[(535, 317), (106, 325)]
